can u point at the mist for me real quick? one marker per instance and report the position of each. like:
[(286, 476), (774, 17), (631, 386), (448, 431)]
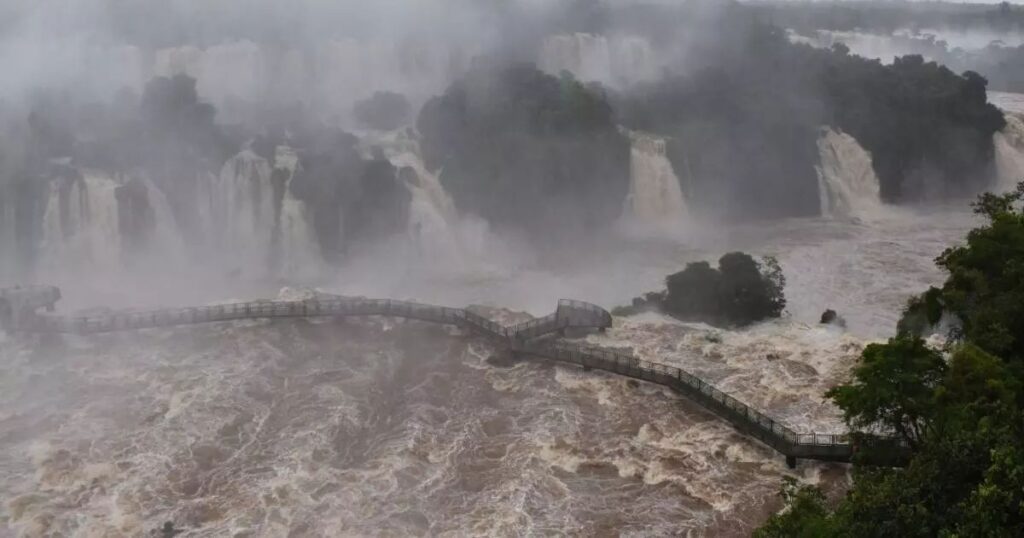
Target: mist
[(493, 157)]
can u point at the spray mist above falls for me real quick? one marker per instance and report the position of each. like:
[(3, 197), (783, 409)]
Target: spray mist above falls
[(251, 146)]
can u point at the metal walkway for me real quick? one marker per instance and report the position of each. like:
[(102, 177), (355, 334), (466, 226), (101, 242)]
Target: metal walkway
[(524, 339)]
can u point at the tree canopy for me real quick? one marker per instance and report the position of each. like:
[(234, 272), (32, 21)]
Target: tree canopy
[(744, 121), (526, 149), (739, 292), (959, 409)]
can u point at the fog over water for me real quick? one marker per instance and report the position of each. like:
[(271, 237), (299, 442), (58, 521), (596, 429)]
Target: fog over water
[(364, 427)]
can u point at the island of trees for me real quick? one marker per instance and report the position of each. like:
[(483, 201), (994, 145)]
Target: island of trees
[(740, 291)]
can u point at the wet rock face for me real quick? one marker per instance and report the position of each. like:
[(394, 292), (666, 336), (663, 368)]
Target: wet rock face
[(136, 218), (383, 207), (352, 198)]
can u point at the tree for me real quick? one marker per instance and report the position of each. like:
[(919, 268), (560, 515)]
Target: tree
[(739, 292), (893, 389), (960, 411), (985, 288), (804, 515), (528, 150)]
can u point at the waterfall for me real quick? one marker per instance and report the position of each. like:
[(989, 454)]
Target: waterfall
[(437, 234), (166, 236), (240, 210), (432, 220), (104, 221), (297, 247), (847, 184), (255, 221), (655, 199), (81, 224), (1009, 148), (617, 61)]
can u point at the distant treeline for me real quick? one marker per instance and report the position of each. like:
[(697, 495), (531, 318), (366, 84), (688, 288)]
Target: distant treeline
[(888, 16)]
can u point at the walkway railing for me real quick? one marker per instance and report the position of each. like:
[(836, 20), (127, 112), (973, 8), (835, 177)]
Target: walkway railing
[(523, 338), (748, 420)]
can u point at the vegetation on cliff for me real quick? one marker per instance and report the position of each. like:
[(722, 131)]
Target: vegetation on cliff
[(743, 124), (959, 410), (526, 149)]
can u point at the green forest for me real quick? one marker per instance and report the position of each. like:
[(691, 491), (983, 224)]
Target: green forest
[(958, 408)]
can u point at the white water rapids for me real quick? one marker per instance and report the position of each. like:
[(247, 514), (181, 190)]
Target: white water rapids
[(357, 427)]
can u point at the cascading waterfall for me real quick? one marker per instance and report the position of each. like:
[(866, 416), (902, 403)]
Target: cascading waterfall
[(240, 211), (297, 247), (255, 220), (432, 217), (847, 183), (655, 198), (81, 224), (104, 221), (166, 240), (1009, 148), (436, 232)]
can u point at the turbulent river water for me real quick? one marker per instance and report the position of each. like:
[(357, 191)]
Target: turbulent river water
[(380, 427), (376, 427)]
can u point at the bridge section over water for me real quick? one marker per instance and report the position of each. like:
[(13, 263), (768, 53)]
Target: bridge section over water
[(531, 338)]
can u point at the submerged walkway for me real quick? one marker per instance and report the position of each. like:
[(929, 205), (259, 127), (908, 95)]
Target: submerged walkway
[(18, 313)]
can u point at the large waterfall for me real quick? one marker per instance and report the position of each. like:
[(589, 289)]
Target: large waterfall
[(847, 183), (163, 240), (436, 232), (81, 225), (433, 221), (255, 221), (616, 61), (240, 212), (297, 249), (655, 199), (109, 222), (1009, 147)]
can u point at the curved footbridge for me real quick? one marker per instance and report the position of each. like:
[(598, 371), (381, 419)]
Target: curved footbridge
[(19, 313)]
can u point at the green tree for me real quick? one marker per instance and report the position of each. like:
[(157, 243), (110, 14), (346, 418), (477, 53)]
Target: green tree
[(985, 288), (805, 514), (739, 292), (893, 389), (960, 411)]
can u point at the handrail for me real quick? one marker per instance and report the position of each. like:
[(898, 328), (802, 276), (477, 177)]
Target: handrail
[(521, 338)]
